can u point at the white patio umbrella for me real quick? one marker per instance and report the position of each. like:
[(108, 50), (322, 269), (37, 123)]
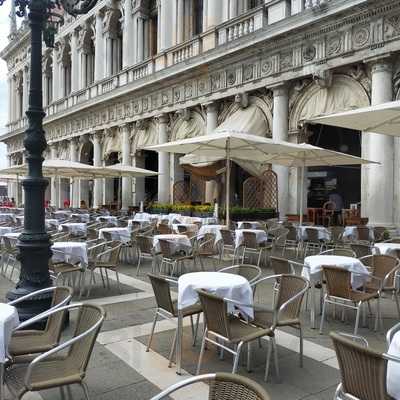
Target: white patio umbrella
[(382, 118), (127, 171)]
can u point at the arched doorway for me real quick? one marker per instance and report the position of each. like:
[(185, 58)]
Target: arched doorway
[(113, 186), (86, 186), (343, 183)]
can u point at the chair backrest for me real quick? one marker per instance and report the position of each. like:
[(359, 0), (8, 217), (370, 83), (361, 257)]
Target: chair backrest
[(292, 235), (381, 265), (107, 236), (336, 233), (144, 243), (250, 240), (182, 229), (215, 313), (340, 252), (246, 225), (165, 248), (280, 265), (379, 233), (206, 244), (363, 371), (338, 281), (164, 229), (250, 272), (135, 225), (312, 235), (362, 233), (90, 317), (227, 237), (291, 286), (162, 293), (272, 223), (360, 249), (329, 207)]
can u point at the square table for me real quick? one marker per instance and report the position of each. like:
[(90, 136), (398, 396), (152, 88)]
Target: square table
[(119, 234), (179, 242), (111, 219), (81, 217), (6, 229), (253, 224), (232, 286), (313, 268), (351, 233)]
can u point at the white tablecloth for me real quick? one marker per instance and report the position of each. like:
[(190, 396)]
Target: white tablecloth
[(393, 368), (323, 233), (81, 217), (120, 234), (62, 214), (190, 227), (7, 217), (5, 229), (180, 242), (52, 222), (221, 284), (261, 236), (12, 235), (350, 232), (215, 229), (202, 220), (111, 219), (77, 228), (9, 320), (254, 224), (387, 248), (313, 267), (72, 252)]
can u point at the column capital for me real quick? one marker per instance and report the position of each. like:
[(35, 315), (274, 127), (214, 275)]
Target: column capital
[(125, 127), (162, 118), (210, 106), (279, 89), (380, 64)]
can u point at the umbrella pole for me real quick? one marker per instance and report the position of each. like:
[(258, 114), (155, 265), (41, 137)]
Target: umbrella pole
[(228, 182), (17, 194), (302, 194)]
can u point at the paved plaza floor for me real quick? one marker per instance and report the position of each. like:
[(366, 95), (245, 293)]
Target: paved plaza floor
[(122, 369)]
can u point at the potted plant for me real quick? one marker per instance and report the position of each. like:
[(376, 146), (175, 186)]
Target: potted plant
[(203, 211), (183, 209)]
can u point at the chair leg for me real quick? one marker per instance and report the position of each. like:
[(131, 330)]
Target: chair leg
[(196, 330), (268, 360), (396, 299), (278, 377), (152, 331), (301, 346), (118, 282), (236, 359), (203, 344), (85, 390), (138, 265), (321, 327), (173, 348), (357, 319), (378, 314), (249, 357)]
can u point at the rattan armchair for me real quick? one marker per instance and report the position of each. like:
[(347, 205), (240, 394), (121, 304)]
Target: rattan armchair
[(361, 249), (251, 272), (145, 249), (313, 244), (167, 308), (222, 386), (252, 247), (9, 254), (291, 241), (173, 258), (362, 370), (384, 269), (363, 234), (285, 312), (63, 365), (339, 252), (226, 329), (228, 244), (340, 293), (27, 342), (207, 248)]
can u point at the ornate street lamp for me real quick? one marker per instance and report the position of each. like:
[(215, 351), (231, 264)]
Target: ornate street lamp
[(34, 243)]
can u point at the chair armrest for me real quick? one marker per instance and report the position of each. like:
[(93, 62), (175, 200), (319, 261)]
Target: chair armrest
[(265, 278), (356, 338), (30, 295), (291, 300)]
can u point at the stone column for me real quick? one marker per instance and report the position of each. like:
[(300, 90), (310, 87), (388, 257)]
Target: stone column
[(54, 181), (109, 56), (128, 53), (140, 38), (74, 188), (165, 16), (25, 88), (211, 124), (99, 48), (126, 160), (56, 77), (74, 62), (180, 22), (280, 128), (377, 180), (163, 161), (10, 98), (233, 8), (97, 162), (212, 13)]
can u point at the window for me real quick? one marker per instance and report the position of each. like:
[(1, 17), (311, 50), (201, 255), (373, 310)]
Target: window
[(197, 17)]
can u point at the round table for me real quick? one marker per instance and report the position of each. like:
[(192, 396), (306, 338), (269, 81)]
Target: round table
[(76, 228), (71, 252), (261, 236), (387, 248), (214, 229), (351, 233), (323, 233), (179, 242), (119, 234)]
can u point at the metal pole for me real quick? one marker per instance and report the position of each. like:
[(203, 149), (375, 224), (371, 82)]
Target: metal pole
[(34, 242), (302, 194), (228, 181)]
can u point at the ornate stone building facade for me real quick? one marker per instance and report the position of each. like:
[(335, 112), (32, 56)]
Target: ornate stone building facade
[(137, 72)]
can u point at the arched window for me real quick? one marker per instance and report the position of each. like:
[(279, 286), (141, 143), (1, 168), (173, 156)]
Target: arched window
[(151, 30), (66, 69), (87, 58), (114, 42), (197, 16), (48, 81)]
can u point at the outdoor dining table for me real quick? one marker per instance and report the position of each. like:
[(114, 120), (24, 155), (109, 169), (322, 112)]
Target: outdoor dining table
[(312, 271), (81, 217), (9, 320), (189, 227), (119, 234), (214, 229), (387, 248), (51, 222), (71, 252), (261, 236), (7, 217), (111, 219), (232, 286), (393, 368), (351, 233), (323, 233), (6, 229), (202, 220), (12, 235), (253, 224), (61, 214), (179, 242), (77, 228)]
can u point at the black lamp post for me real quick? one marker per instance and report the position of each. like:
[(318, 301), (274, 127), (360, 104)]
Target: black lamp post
[(34, 243)]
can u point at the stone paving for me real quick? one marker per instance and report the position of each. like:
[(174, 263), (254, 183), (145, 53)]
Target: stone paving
[(121, 368)]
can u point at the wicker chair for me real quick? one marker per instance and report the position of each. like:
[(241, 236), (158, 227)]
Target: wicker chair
[(10, 252), (291, 241), (363, 234), (144, 246), (55, 368), (27, 342), (106, 260), (251, 272), (222, 386), (393, 240), (384, 269), (246, 225), (313, 243), (361, 249), (280, 266), (167, 308), (379, 233), (227, 329), (172, 258), (285, 312), (252, 247), (336, 236), (228, 244), (340, 293), (362, 370), (339, 252), (164, 229), (206, 248)]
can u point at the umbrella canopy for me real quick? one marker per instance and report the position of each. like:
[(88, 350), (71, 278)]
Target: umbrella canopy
[(127, 171), (382, 118), (260, 151)]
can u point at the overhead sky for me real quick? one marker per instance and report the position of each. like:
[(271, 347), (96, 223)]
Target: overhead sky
[(4, 31)]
